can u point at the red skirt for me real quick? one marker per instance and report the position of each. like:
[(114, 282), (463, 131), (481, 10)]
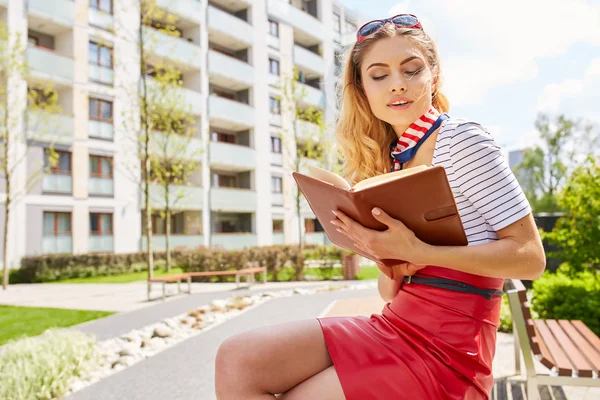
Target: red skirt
[(428, 343)]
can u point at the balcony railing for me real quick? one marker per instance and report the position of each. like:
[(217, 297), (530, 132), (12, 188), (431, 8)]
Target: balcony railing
[(49, 127), (57, 244), (159, 242), (237, 114), (173, 48), (101, 186), (180, 197), (57, 183), (101, 243), (232, 199), (101, 19), (98, 73), (298, 19), (308, 60), (224, 24), (50, 64), (59, 11), (227, 155), (233, 240), (230, 68), (100, 130)]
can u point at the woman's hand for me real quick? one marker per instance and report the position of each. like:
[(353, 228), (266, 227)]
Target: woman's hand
[(397, 242)]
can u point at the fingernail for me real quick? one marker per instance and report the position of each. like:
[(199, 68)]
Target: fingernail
[(339, 230), (332, 222), (334, 213), (376, 211)]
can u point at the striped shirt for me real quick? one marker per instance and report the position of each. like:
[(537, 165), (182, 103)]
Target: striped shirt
[(486, 191)]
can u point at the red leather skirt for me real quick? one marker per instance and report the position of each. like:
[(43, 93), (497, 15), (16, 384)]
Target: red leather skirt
[(428, 343)]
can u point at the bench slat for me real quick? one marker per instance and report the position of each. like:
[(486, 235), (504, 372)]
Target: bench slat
[(544, 354), (562, 362), (591, 354), (587, 333), (246, 271), (571, 349)]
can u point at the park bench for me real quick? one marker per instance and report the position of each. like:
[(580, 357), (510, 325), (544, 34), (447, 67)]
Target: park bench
[(569, 349), (187, 277)]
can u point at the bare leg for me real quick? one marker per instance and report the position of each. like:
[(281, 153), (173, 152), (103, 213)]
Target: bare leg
[(259, 363), (323, 386)]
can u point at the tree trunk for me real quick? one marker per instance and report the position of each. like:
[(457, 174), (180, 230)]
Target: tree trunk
[(7, 204), (146, 156), (168, 227)]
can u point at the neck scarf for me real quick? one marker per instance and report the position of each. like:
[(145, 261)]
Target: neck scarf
[(404, 148)]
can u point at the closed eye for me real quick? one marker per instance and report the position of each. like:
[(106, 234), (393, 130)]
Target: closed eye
[(378, 78)]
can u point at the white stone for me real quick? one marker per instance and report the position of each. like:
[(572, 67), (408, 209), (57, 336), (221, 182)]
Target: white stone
[(162, 332)]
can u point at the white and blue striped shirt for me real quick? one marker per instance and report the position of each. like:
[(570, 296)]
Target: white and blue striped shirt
[(486, 191)]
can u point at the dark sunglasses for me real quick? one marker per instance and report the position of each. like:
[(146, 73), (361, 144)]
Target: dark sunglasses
[(400, 20)]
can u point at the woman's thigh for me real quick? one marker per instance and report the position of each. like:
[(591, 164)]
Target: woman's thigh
[(272, 359), (323, 386)]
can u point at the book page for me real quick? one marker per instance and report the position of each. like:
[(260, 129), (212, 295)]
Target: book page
[(383, 178), (329, 177)]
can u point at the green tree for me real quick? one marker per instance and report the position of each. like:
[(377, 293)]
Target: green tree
[(577, 234), (545, 167), (41, 102)]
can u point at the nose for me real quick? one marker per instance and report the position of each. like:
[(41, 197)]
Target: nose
[(397, 84)]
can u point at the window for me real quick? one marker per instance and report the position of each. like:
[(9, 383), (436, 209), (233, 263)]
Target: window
[(101, 224), (276, 184), (101, 110), (102, 5), (222, 180), (100, 55), (57, 223), (277, 226), (60, 165), (336, 23), (101, 167), (273, 66), (312, 225), (33, 40), (274, 105), (274, 28), (275, 145), (159, 224), (350, 27), (227, 95), (224, 137)]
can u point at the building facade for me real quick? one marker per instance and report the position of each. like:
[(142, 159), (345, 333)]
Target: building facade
[(76, 187)]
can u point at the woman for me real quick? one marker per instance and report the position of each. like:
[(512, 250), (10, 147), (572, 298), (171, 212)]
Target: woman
[(435, 338)]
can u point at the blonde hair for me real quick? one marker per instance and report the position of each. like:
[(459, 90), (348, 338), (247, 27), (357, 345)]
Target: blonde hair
[(362, 138)]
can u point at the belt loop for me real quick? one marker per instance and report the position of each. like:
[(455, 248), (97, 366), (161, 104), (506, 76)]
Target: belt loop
[(407, 279)]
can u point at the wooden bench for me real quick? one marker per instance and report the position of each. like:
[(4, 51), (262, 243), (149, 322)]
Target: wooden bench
[(568, 348), (248, 272)]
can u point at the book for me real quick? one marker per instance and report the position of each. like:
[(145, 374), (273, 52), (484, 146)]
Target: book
[(420, 197)]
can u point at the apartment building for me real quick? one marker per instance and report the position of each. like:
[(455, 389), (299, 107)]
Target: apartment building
[(231, 55)]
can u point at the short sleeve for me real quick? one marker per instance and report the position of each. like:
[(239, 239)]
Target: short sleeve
[(484, 177)]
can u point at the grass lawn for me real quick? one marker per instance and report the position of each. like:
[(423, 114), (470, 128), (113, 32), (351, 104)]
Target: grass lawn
[(17, 322), (368, 272), (125, 278)]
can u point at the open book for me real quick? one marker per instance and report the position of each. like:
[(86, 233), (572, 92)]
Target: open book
[(420, 197)]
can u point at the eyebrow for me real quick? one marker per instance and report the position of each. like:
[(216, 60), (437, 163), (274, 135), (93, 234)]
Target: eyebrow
[(409, 59)]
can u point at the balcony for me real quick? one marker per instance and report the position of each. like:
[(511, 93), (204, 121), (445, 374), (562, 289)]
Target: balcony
[(186, 9), (307, 130), (100, 74), (230, 114), (277, 199), (276, 159), (100, 130), (159, 242), (173, 48), (189, 148), (228, 30), (49, 65), (61, 12), (275, 119), (273, 41), (308, 60), (307, 29), (233, 241), (57, 183), (101, 19), (229, 72), (57, 244), (48, 127), (101, 186), (180, 197), (190, 99), (310, 96), (274, 80), (232, 157), (101, 243), (232, 199)]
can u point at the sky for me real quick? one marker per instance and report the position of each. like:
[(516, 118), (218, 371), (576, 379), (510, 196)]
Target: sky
[(505, 61)]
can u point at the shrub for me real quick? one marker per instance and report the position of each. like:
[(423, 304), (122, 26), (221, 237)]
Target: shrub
[(565, 295), (42, 367)]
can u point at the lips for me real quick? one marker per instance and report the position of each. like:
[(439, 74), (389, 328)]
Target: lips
[(399, 103)]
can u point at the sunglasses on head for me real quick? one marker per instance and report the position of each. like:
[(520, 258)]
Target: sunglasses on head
[(400, 20)]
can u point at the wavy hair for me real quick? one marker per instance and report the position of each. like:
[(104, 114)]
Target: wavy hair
[(363, 139)]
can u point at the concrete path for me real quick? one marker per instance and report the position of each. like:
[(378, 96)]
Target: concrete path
[(119, 297), (186, 371)]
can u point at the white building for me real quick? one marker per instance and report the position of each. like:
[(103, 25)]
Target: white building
[(231, 53)]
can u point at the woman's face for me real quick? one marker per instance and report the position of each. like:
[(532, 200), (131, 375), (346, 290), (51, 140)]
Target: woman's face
[(394, 71)]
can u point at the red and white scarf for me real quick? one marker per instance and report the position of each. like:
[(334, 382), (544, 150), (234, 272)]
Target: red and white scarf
[(413, 135)]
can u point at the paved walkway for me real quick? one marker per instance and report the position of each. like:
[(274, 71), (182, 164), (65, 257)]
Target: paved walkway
[(186, 371), (120, 297)]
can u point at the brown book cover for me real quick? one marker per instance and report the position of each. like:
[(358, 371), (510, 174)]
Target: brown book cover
[(420, 197)]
